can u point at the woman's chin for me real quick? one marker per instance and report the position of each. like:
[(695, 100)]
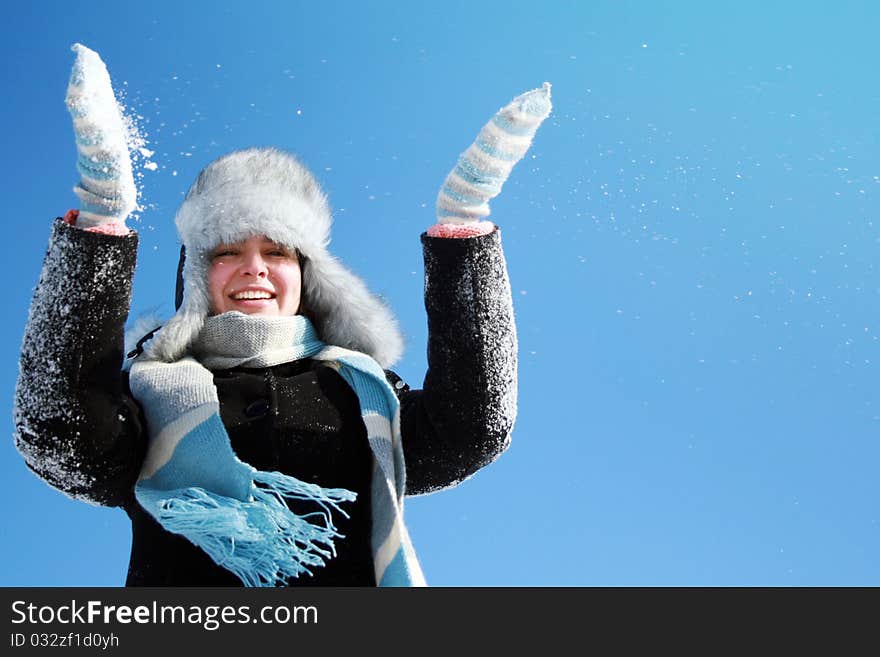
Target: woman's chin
[(267, 307), (262, 312)]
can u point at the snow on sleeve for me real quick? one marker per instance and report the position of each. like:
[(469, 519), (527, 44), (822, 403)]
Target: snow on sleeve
[(472, 349), (73, 291)]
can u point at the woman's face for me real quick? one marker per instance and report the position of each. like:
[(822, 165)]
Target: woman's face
[(255, 277)]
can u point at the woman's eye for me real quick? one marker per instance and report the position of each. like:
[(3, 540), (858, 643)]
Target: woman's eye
[(277, 252), (224, 253)]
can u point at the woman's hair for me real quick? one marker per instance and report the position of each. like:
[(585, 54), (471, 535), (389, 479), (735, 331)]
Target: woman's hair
[(303, 302)]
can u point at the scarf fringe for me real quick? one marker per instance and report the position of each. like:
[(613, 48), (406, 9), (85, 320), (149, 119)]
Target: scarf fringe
[(261, 541)]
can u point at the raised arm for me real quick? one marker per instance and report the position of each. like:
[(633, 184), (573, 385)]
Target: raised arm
[(75, 425), (462, 418)]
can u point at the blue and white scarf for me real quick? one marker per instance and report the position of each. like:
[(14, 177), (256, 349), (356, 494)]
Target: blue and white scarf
[(192, 483)]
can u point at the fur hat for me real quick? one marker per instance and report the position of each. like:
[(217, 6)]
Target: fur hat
[(264, 191)]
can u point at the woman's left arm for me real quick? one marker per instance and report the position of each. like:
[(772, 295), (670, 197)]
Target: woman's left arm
[(462, 418)]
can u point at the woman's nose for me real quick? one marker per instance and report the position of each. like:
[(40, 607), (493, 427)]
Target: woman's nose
[(254, 265)]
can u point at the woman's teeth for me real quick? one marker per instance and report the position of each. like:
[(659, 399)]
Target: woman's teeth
[(251, 294)]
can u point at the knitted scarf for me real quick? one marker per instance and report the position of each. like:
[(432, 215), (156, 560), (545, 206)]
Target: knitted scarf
[(192, 483)]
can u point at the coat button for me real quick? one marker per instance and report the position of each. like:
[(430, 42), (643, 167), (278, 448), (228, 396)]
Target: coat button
[(258, 408)]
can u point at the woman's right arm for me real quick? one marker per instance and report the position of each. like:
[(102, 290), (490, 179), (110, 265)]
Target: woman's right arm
[(75, 424)]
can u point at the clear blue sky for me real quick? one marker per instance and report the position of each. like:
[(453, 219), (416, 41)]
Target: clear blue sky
[(691, 242)]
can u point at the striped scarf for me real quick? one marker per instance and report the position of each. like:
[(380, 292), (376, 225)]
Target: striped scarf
[(192, 483)]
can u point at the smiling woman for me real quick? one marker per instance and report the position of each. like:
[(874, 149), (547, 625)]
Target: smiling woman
[(256, 277), (247, 443)]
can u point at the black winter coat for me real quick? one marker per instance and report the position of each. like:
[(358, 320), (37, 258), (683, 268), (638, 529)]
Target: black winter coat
[(79, 428)]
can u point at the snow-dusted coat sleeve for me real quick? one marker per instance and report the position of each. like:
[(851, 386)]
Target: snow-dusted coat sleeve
[(74, 424), (462, 418)]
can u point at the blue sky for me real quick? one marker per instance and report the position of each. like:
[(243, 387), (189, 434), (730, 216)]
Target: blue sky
[(691, 243)]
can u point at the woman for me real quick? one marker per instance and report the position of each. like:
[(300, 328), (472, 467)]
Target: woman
[(255, 438)]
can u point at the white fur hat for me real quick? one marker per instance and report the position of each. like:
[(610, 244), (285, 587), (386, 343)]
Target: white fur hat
[(264, 191)]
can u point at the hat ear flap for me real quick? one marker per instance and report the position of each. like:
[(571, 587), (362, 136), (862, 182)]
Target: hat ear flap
[(174, 338), (346, 314)]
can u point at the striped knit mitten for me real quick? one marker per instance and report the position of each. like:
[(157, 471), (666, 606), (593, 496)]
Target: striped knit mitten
[(106, 189), (484, 167)]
